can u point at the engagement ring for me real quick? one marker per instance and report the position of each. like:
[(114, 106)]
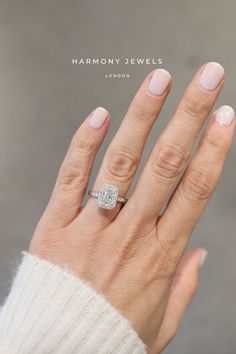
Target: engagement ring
[(107, 196)]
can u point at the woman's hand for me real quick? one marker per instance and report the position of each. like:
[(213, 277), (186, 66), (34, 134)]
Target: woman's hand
[(132, 254)]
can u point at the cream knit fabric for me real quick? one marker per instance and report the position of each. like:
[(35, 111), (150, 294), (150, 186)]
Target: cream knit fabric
[(49, 310)]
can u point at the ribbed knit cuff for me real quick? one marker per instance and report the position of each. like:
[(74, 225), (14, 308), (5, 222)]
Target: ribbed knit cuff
[(49, 310)]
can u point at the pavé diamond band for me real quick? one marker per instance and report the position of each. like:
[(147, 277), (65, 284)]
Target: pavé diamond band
[(107, 196)]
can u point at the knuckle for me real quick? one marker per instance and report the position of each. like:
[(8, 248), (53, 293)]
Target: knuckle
[(72, 176), (166, 258), (73, 173), (198, 185), (143, 114), (121, 164), (216, 143), (194, 107), (168, 162), (83, 147)]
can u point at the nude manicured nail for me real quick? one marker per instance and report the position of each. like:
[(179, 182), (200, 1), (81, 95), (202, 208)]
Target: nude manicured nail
[(211, 76), (224, 115), (98, 118), (203, 258), (159, 82)]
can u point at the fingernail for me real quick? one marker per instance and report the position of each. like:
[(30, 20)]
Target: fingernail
[(224, 115), (203, 258), (98, 118), (211, 76), (159, 82)]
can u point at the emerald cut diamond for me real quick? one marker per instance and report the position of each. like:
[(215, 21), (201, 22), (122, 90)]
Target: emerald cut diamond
[(107, 196)]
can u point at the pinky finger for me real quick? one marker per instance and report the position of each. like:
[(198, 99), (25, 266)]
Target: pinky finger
[(183, 288)]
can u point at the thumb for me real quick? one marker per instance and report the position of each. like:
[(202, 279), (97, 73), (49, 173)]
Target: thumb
[(183, 288)]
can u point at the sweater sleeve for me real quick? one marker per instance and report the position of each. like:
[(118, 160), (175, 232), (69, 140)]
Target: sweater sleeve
[(49, 310)]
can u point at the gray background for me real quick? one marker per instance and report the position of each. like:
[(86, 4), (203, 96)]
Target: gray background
[(44, 98)]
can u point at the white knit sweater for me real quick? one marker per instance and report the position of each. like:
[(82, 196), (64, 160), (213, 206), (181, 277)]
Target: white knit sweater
[(49, 310)]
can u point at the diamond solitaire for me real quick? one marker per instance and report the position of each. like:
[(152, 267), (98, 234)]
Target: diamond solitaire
[(107, 196)]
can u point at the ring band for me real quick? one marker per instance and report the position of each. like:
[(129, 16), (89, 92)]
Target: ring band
[(107, 196)]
